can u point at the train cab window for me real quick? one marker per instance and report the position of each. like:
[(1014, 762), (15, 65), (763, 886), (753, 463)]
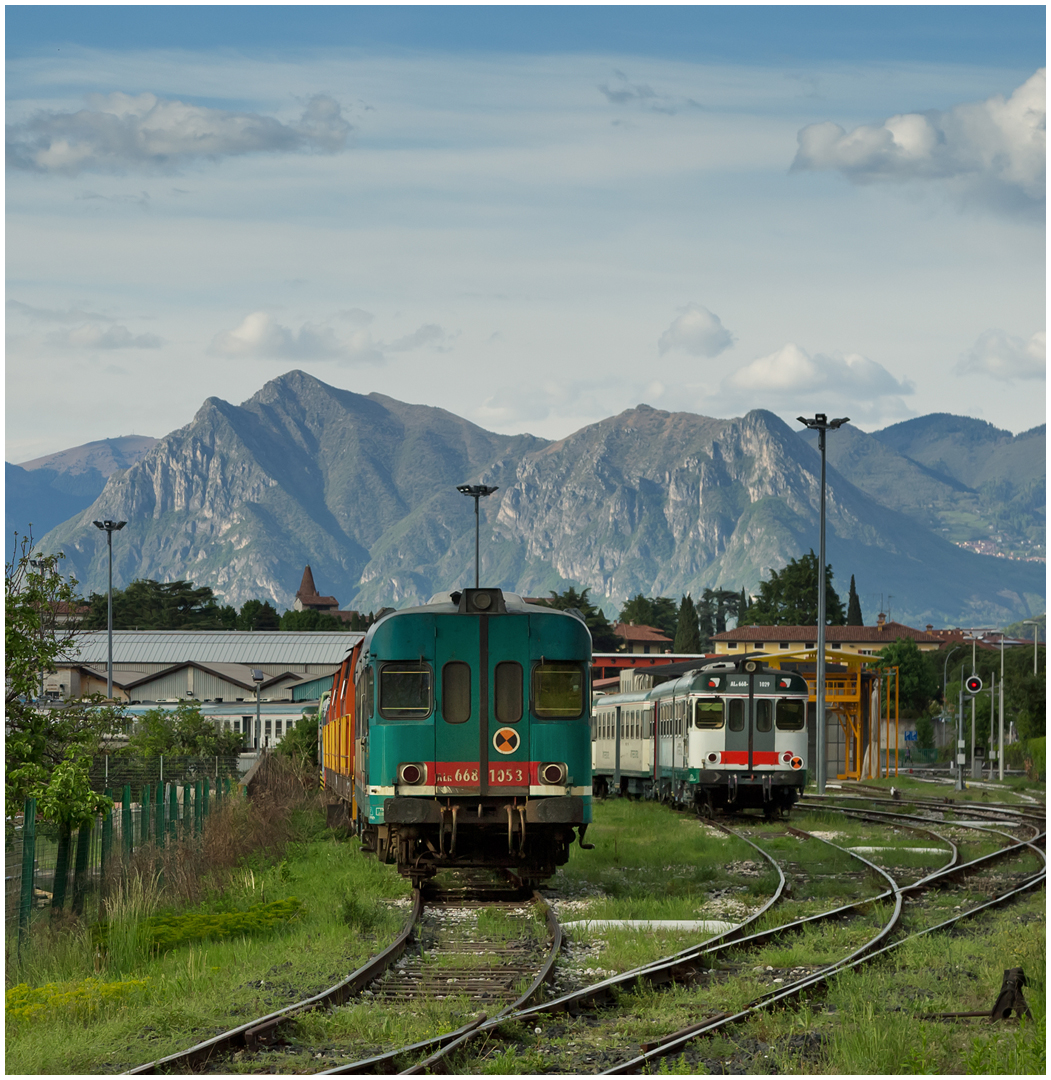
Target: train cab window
[(507, 692), (456, 692), (405, 690), (558, 689), (735, 708), (764, 714), (791, 715), (708, 714)]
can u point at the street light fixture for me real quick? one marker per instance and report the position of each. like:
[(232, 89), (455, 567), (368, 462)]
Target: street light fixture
[(476, 492), (110, 528), (821, 424)]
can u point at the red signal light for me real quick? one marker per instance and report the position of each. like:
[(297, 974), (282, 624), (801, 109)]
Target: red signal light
[(973, 685)]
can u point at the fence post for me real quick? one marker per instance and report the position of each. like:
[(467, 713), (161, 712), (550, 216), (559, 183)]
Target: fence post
[(197, 816), (206, 796), (173, 811), (58, 887), (159, 810), (107, 843), (25, 905), (80, 867), (125, 822), (144, 816), (187, 808)]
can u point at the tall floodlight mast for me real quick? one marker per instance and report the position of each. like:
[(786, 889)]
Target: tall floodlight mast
[(110, 528), (821, 424), (476, 492)]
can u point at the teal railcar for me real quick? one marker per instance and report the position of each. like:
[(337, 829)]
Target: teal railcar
[(472, 736)]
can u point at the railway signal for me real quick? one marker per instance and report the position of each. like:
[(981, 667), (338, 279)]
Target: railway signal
[(973, 685)]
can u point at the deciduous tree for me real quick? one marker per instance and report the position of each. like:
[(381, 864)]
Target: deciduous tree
[(789, 598), (602, 637)]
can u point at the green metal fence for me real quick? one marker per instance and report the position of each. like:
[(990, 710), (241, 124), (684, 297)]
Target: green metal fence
[(51, 869)]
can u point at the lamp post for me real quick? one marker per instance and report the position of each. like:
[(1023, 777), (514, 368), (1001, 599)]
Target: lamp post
[(476, 492), (110, 527), (257, 678), (821, 424), (1036, 637)]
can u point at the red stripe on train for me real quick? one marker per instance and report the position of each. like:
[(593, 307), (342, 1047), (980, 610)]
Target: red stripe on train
[(759, 757)]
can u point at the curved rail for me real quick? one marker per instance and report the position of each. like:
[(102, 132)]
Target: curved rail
[(250, 1034), (672, 1043)]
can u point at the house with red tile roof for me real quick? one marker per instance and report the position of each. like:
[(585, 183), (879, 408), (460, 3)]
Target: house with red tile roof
[(860, 640), (638, 638)]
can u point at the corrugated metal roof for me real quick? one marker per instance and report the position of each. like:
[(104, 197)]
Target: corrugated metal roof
[(215, 646)]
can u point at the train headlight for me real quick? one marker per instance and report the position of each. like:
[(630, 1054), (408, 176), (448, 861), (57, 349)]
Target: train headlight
[(797, 763), (713, 758), (553, 773), (411, 774), (786, 757)]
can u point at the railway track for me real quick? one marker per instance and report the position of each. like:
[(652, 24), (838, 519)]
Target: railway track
[(444, 951)]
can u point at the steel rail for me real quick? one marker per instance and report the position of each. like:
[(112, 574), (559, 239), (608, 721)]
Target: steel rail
[(680, 1039), (942, 805), (680, 965), (443, 1045), (859, 956), (1012, 848), (250, 1034)]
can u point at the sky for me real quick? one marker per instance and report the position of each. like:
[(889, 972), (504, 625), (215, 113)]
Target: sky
[(534, 217)]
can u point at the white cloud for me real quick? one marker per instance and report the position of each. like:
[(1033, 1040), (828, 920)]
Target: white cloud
[(1005, 357), (82, 329), (93, 336), (696, 331), (117, 132), (994, 148), (261, 337), (791, 380), (430, 334)]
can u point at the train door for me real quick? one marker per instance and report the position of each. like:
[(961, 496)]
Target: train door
[(459, 704), (763, 748), (738, 728), (504, 737)]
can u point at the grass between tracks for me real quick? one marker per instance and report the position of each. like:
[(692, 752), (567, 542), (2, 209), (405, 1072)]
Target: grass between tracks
[(140, 1002)]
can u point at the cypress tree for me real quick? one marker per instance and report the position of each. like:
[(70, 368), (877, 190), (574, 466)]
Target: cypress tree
[(854, 606), (687, 632)]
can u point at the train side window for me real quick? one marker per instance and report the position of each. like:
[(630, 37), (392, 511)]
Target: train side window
[(764, 714), (735, 707), (456, 692), (508, 692), (405, 690), (558, 689), (791, 715), (708, 714)]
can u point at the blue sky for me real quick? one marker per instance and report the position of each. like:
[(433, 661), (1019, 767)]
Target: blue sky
[(533, 217)]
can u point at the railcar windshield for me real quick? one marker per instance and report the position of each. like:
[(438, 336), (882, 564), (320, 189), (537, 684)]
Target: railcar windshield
[(791, 715), (558, 689), (405, 690), (708, 714)]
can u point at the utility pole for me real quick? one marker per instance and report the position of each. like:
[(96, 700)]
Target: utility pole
[(476, 491)]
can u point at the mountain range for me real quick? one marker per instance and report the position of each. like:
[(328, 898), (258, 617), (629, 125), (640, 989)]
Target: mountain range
[(363, 488)]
